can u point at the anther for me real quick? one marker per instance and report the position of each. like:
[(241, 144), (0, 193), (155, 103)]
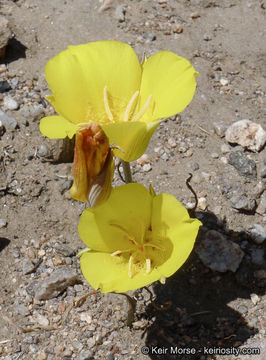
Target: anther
[(129, 105), (148, 266), (106, 104), (142, 110)]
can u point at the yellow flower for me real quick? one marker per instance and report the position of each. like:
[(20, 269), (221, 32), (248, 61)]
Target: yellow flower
[(93, 167), (134, 239), (104, 82)]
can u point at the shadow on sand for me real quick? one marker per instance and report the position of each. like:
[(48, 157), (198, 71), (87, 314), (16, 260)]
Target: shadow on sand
[(199, 315)]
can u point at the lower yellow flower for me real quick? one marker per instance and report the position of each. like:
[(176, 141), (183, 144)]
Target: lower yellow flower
[(135, 238)]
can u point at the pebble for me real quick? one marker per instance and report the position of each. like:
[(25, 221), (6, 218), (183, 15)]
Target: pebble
[(195, 167), (224, 82), (246, 133), (4, 86), (147, 167), (14, 82), (262, 170), (120, 12), (244, 166), (64, 250), (218, 253), (243, 202), (214, 155), (225, 149), (144, 159), (5, 34), (207, 37), (27, 266), (42, 356), (86, 355), (257, 256), (2, 128), (261, 209), (65, 185), (10, 103), (224, 160), (56, 283), (149, 36), (255, 299), (258, 233), (42, 320), (164, 157), (3, 223), (9, 122), (172, 142), (202, 203), (43, 151)]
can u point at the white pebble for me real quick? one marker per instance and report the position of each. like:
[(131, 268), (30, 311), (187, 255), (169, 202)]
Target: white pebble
[(146, 167), (224, 81), (254, 298), (144, 159), (10, 103), (202, 203)]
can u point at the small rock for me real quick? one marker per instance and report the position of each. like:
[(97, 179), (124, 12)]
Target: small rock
[(225, 149), (259, 188), (27, 266), (43, 151), (220, 129), (172, 142), (147, 167), (195, 15), (42, 356), (214, 155), (242, 202), (120, 12), (10, 103), (21, 309), (258, 233), (149, 36), (42, 320), (64, 250), (195, 167), (5, 34), (218, 253), (246, 133), (86, 355), (255, 299), (164, 157), (14, 82), (257, 256), (224, 81), (177, 29), (86, 317), (8, 122), (3, 223), (65, 185), (202, 203), (207, 37), (224, 160), (262, 170), (4, 86), (55, 284), (261, 209), (245, 166), (144, 159)]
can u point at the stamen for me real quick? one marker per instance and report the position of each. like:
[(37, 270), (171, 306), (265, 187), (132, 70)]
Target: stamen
[(129, 105), (148, 266), (130, 263), (119, 252), (106, 104), (142, 110), (125, 232), (158, 247)]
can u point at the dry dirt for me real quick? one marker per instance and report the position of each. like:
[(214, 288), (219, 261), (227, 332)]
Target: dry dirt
[(198, 307)]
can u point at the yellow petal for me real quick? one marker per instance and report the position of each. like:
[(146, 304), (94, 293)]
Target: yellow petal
[(170, 79), (77, 78), (170, 220), (128, 206), (132, 137), (57, 127)]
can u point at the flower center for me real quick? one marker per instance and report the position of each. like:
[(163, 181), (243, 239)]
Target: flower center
[(128, 115), (138, 250)]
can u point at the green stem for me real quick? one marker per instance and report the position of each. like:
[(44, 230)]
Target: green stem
[(127, 171)]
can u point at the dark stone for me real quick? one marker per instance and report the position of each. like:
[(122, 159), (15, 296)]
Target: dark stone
[(4, 86), (243, 165)]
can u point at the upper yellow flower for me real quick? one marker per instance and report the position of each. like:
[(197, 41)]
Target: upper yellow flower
[(104, 82), (135, 238)]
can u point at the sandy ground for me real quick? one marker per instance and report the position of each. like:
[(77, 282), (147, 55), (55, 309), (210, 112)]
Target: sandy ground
[(198, 307)]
